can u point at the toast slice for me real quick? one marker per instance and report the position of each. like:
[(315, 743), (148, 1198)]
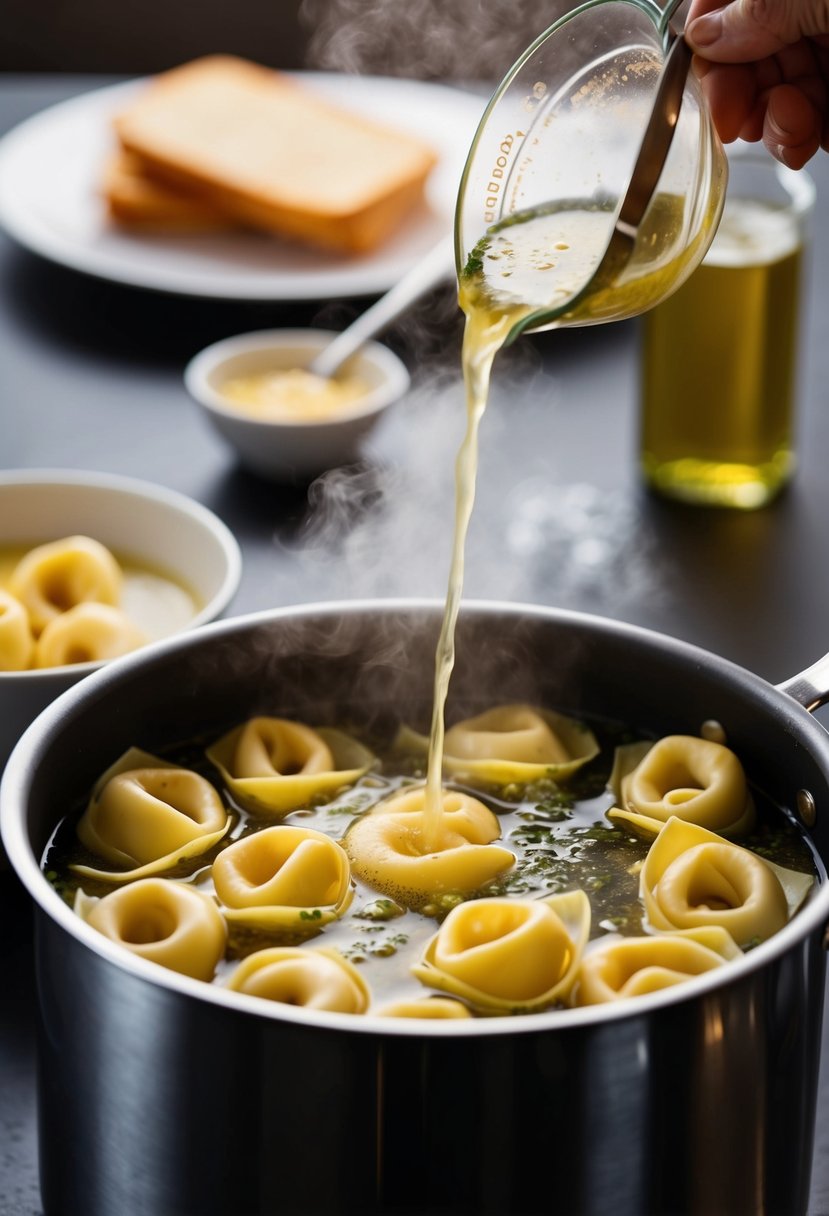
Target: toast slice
[(260, 148), (137, 201)]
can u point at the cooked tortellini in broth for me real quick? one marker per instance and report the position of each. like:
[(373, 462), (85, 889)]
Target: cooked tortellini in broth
[(391, 849), (376, 894), (17, 644), (694, 779), (57, 576), (275, 747), (146, 815), (623, 967), (692, 877), (273, 765), (314, 979), (170, 923), (509, 955), (88, 633), (283, 876), (511, 743), (438, 1008)]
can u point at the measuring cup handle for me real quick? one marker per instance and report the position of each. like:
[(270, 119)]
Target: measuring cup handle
[(668, 27)]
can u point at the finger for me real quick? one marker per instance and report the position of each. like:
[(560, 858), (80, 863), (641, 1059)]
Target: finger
[(796, 62), (793, 127), (698, 7), (740, 32), (731, 92), (753, 127)]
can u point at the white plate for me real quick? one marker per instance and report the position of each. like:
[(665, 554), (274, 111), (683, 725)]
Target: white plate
[(50, 168)]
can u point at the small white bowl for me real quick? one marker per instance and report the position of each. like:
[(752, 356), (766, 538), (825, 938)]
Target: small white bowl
[(292, 450), (153, 526)]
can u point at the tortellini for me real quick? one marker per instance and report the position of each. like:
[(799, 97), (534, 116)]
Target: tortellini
[(273, 765), (52, 578), (313, 979), (88, 633), (170, 923), (511, 743), (283, 877), (146, 815), (509, 955), (692, 878), (692, 779), (391, 850), (17, 644), (621, 967), (62, 606), (433, 1007)]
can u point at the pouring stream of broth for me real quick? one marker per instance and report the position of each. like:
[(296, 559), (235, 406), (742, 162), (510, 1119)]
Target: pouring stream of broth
[(538, 256)]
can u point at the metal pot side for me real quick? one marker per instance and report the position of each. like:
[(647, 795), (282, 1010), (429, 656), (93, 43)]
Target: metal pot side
[(157, 1099)]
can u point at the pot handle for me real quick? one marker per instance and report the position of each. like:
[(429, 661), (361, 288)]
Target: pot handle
[(810, 688)]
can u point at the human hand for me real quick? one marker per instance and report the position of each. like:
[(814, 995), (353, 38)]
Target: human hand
[(764, 66)]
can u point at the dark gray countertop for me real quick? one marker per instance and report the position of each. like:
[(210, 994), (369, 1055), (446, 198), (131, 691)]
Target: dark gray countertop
[(91, 378)]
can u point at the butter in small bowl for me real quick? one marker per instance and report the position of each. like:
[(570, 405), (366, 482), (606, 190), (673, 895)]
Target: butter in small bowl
[(293, 394), (284, 422)]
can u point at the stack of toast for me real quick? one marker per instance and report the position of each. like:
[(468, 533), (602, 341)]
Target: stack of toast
[(222, 142)]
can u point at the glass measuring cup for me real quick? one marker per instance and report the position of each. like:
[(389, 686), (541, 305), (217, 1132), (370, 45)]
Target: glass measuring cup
[(551, 163)]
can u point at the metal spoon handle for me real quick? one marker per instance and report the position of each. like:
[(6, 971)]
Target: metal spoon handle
[(658, 137), (433, 268)]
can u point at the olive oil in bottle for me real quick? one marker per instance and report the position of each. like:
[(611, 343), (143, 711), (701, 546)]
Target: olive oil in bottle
[(719, 363)]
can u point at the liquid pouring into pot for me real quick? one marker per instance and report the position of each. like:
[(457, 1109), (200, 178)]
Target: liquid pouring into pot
[(561, 262)]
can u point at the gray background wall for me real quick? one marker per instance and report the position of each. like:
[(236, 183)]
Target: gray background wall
[(446, 39)]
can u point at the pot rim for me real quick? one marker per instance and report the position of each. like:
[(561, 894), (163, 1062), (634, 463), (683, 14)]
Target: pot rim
[(811, 918)]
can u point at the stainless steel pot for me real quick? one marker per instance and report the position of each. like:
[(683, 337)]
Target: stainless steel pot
[(160, 1096)]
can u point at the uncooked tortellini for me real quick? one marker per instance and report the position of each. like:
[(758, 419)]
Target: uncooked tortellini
[(391, 851), (692, 878), (87, 633), (283, 877), (509, 955), (511, 743), (170, 923), (16, 642), (693, 779), (273, 765), (313, 979), (145, 815), (52, 578), (619, 967)]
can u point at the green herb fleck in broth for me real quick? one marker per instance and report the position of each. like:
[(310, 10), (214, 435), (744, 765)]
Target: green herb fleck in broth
[(475, 260), (381, 909), (443, 904)]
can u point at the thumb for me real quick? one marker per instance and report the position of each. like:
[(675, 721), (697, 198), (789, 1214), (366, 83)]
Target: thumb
[(747, 30)]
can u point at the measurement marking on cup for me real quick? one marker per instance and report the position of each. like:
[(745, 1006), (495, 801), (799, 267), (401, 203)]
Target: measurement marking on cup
[(493, 187), (534, 99)]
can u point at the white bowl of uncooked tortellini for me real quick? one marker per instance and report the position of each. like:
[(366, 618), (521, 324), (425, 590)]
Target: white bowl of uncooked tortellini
[(284, 422), (93, 566)]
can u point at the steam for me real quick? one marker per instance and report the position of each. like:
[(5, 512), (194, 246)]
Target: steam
[(476, 40), (383, 529)]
